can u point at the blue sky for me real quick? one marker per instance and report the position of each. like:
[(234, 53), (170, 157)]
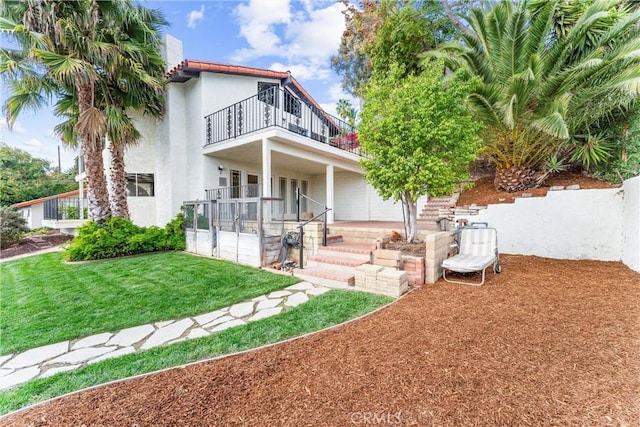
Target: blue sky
[(295, 35)]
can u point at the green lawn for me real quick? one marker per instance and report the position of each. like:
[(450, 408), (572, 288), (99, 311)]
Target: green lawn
[(320, 312), (44, 301)]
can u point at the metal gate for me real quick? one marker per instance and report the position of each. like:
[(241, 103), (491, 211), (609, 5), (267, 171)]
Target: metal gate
[(238, 230)]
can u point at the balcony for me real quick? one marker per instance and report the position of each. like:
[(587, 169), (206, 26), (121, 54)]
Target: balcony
[(68, 208), (278, 108), (235, 192)]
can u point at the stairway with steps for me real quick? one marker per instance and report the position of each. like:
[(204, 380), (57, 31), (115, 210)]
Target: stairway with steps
[(334, 265), (430, 212)]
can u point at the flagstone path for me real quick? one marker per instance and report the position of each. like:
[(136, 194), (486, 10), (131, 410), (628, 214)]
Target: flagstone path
[(48, 360)]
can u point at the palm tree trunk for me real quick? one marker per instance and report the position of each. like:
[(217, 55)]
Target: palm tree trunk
[(514, 178), (119, 205), (89, 133), (97, 192)]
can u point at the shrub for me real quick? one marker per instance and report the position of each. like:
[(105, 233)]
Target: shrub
[(119, 237), (174, 233), (12, 226)]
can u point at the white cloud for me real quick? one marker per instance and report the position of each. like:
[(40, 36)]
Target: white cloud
[(303, 71), (33, 142), (305, 37), (17, 126), (195, 16), (336, 93), (258, 20)]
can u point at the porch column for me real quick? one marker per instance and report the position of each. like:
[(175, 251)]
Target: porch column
[(329, 177), (266, 167)]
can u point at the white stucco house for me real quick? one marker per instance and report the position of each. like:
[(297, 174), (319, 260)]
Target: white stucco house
[(234, 131)]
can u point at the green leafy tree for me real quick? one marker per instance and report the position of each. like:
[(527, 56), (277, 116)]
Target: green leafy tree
[(419, 136), (379, 33), (82, 50), (548, 91), (25, 178), (12, 226)]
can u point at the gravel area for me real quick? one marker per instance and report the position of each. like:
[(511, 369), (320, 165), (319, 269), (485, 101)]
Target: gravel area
[(547, 342)]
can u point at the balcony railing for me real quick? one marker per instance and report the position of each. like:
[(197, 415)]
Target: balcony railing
[(278, 108), (236, 192), (67, 208)]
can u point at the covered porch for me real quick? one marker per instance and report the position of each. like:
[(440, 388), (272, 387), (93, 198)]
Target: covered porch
[(280, 163)]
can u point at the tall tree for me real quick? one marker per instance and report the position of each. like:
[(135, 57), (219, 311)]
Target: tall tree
[(25, 178), (381, 32), (81, 48), (545, 93), (418, 134)]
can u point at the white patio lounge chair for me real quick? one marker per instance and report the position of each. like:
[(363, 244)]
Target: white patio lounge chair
[(477, 250)]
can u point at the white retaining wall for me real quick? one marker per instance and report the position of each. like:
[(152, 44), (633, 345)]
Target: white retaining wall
[(631, 224), (598, 224)]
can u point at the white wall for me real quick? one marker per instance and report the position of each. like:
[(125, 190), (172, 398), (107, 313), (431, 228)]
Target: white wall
[(631, 224), (358, 201), (572, 224), (569, 224)]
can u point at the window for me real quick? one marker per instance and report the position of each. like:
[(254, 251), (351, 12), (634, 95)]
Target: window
[(268, 93), (292, 105), (140, 185)]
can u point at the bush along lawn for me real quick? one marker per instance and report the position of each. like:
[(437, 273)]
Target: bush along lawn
[(325, 310), (45, 301)]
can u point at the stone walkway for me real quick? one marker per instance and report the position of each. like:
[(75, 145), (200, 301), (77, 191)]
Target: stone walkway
[(48, 360)]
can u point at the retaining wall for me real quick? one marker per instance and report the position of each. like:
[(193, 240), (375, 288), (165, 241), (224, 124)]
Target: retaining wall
[(597, 224)]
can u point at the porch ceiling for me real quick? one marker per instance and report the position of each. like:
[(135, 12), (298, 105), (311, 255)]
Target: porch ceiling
[(252, 152)]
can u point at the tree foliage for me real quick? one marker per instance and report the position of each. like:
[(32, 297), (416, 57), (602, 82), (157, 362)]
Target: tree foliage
[(25, 178), (418, 134), (97, 58), (379, 33), (12, 226), (552, 79)]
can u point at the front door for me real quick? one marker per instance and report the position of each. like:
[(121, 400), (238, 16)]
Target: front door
[(236, 182)]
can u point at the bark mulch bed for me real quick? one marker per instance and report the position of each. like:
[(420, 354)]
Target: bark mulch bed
[(547, 342), (484, 193), (35, 243)]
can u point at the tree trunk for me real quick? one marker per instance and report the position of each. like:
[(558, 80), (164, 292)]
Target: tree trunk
[(97, 192), (515, 178), (90, 136), (410, 217), (119, 206)]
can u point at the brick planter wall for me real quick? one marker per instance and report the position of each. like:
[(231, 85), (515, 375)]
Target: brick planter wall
[(380, 280), (414, 267), (438, 249)]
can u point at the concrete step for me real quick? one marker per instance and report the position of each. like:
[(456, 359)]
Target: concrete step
[(329, 277), (428, 225), (359, 251), (336, 260), (334, 238)]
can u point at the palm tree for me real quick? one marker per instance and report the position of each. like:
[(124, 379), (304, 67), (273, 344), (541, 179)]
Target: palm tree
[(346, 112), (544, 93), (82, 49)]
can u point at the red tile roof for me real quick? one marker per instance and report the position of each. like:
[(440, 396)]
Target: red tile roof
[(195, 65), (44, 199)]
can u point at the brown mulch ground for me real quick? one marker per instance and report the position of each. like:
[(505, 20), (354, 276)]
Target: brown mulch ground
[(34, 243), (483, 192), (547, 342)]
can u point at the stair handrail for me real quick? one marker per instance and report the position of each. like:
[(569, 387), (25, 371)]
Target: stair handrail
[(301, 234)]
